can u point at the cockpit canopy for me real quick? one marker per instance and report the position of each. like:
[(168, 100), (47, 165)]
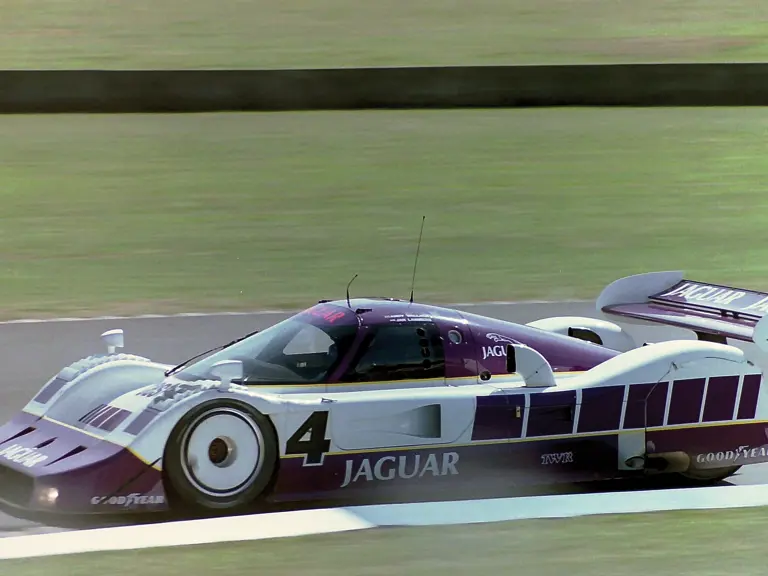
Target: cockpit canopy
[(303, 349), (329, 343), (385, 340)]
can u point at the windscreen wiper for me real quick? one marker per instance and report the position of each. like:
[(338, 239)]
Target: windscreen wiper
[(214, 349)]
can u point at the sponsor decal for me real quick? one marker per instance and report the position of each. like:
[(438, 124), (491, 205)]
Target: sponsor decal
[(407, 317), (328, 313), (692, 292), (727, 297), (28, 457), (742, 453), (405, 467), (167, 394), (127, 501), (498, 350), (556, 458), (759, 306), (174, 389)]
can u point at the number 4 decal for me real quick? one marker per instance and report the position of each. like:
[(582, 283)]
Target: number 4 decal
[(315, 447)]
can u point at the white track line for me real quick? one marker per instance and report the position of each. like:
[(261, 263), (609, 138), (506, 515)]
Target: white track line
[(268, 312), (190, 532), (323, 521)]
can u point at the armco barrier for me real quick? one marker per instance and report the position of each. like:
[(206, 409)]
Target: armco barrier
[(356, 88), (305, 522)]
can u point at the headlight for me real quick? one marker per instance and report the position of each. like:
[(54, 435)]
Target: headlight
[(47, 496)]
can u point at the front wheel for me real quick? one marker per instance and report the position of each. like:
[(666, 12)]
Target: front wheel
[(221, 455)]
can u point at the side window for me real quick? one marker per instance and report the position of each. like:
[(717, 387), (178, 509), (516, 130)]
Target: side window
[(304, 354), (400, 352), (309, 340)]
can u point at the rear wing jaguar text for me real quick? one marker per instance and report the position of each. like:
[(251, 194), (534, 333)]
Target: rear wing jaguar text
[(713, 311)]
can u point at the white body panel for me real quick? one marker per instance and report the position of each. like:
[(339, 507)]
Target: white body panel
[(612, 335), (375, 417)]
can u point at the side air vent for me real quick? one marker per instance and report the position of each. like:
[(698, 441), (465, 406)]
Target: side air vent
[(585, 334), (73, 452), (45, 443), (20, 434), (50, 391), (93, 414), (105, 417), (707, 337)]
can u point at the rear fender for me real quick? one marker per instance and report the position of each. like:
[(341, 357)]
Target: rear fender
[(671, 360)]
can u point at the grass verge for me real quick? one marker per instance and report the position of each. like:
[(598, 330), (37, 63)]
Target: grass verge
[(694, 543), (307, 33), (168, 213)]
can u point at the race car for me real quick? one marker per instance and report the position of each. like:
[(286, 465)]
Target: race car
[(358, 398)]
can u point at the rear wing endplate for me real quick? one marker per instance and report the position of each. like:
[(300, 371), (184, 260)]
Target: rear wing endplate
[(713, 311)]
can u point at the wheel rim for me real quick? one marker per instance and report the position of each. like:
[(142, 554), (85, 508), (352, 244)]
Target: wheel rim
[(222, 452)]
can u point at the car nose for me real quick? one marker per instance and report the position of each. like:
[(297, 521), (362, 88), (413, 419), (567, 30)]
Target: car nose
[(35, 447)]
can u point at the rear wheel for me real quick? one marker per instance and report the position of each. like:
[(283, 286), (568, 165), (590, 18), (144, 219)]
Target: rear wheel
[(221, 456), (710, 476)]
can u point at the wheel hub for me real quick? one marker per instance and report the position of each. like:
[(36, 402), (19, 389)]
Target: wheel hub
[(214, 462), (220, 452)]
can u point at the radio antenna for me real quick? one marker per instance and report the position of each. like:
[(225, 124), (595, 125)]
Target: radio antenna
[(418, 247), (348, 285)]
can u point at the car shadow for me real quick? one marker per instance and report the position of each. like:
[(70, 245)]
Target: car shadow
[(94, 521)]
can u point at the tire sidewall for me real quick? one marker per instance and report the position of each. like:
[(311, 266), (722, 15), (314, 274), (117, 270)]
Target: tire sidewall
[(179, 488), (709, 476)]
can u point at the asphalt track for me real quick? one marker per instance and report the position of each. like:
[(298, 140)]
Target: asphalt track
[(30, 353)]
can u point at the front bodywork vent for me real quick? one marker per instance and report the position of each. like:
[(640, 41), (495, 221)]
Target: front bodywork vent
[(105, 417)]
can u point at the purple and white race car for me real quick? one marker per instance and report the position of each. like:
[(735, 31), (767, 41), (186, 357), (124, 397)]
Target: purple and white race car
[(358, 398)]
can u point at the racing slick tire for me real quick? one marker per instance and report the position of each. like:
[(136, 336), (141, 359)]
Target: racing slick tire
[(711, 476), (221, 456)]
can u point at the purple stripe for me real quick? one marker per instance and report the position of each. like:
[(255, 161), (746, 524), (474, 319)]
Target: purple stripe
[(646, 401), (496, 417), (750, 390), (141, 421), (115, 420), (567, 397), (657, 403), (515, 421), (721, 398), (490, 418), (482, 470), (90, 414), (601, 409), (104, 409), (49, 391), (103, 416), (551, 414), (685, 405)]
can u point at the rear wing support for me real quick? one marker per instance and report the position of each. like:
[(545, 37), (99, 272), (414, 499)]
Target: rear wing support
[(713, 311)]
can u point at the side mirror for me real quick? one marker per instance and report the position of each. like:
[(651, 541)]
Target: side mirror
[(228, 371), (113, 339)]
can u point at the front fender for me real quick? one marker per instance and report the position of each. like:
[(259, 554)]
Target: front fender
[(157, 423), (92, 381)]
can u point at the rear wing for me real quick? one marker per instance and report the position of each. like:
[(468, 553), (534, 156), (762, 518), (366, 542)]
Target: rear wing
[(713, 311)]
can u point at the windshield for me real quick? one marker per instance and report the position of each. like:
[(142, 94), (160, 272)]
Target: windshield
[(301, 349)]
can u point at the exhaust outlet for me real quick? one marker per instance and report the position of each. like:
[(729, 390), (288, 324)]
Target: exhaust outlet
[(667, 462)]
